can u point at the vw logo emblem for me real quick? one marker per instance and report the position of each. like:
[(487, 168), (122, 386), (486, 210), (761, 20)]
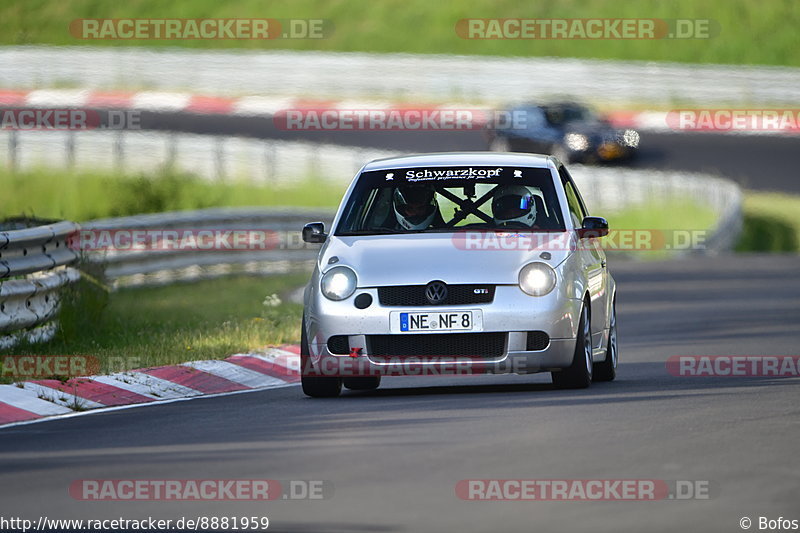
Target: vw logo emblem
[(436, 292)]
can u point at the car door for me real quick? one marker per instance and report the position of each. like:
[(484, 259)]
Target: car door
[(591, 257)]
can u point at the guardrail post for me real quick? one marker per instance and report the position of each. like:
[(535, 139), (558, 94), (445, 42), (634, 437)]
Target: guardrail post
[(219, 157), (172, 152), (69, 147), (119, 151), (12, 150), (269, 161)]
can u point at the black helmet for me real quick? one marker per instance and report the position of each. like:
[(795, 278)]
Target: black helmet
[(414, 206)]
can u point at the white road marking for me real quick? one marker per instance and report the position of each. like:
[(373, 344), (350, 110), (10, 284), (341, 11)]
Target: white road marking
[(237, 374), (57, 98), (58, 397), (147, 385), (28, 400), (161, 101)]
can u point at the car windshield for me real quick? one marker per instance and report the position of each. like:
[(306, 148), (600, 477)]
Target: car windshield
[(559, 115), (449, 199)]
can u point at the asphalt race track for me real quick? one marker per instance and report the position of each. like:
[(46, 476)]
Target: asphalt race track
[(394, 456), (761, 162)]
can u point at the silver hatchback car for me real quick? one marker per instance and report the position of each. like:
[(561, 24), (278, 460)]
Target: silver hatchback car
[(459, 263)]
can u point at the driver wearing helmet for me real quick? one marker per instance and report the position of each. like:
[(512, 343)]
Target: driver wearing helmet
[(514, 205), (415, 208)]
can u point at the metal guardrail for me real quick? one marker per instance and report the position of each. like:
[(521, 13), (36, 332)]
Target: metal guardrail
[(146, 266), (211, 157), (609, 190), (33, 269), (397, 76)]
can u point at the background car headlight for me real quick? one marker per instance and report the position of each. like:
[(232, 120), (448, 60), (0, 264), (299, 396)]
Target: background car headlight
[(630, 138), (576, 141), (338, 283), (537, 279)]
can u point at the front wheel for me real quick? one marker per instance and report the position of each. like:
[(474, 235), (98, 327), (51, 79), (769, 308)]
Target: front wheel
[(579, 373), (315, 386), (607, 370)]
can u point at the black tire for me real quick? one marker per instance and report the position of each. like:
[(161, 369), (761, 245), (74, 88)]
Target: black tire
[(362, 382), (315, 386), (607, 370), (579, 373)]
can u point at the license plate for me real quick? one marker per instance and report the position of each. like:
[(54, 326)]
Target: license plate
[(437, 321)]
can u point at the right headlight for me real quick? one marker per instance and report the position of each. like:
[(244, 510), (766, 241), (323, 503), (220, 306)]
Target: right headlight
[(537, 279), (630, 138), (338, 283)]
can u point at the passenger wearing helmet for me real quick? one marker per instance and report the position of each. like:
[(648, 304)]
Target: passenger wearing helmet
[(415, 208), (514, 205)]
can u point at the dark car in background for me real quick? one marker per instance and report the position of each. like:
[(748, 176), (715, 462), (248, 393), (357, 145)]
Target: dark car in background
[(569, 131)]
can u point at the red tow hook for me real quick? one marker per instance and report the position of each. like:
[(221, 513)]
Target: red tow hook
[(355, 352)]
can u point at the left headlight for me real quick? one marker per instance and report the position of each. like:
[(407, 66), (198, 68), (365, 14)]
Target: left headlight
[(338, 283), (537, 279), (576, 141)]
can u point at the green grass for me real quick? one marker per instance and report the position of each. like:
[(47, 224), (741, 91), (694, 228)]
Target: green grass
[(670, 227), (750, 32), (80, 196), (676, 214), (137, 328), (771, 223)]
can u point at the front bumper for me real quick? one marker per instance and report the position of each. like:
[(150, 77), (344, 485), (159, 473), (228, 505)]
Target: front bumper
[(607, 151), (512, 312)]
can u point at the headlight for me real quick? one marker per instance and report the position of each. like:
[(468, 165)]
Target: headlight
[(338, 283), (630, 138), (576, 141), (537, 279)]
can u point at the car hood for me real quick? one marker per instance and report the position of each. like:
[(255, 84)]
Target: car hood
[(471, 257)]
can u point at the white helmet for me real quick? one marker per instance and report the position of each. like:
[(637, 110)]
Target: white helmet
[(414, 206), (513, 203)]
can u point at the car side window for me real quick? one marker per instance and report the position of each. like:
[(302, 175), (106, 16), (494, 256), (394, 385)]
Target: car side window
[(577, 211), (534, 118)]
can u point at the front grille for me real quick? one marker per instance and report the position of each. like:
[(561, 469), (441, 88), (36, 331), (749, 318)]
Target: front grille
[(339, 344), (537, 340), (414, 295), (438, 344)]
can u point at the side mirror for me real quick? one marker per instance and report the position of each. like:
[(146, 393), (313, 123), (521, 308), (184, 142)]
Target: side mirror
[(593, 227), (314, 232)]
